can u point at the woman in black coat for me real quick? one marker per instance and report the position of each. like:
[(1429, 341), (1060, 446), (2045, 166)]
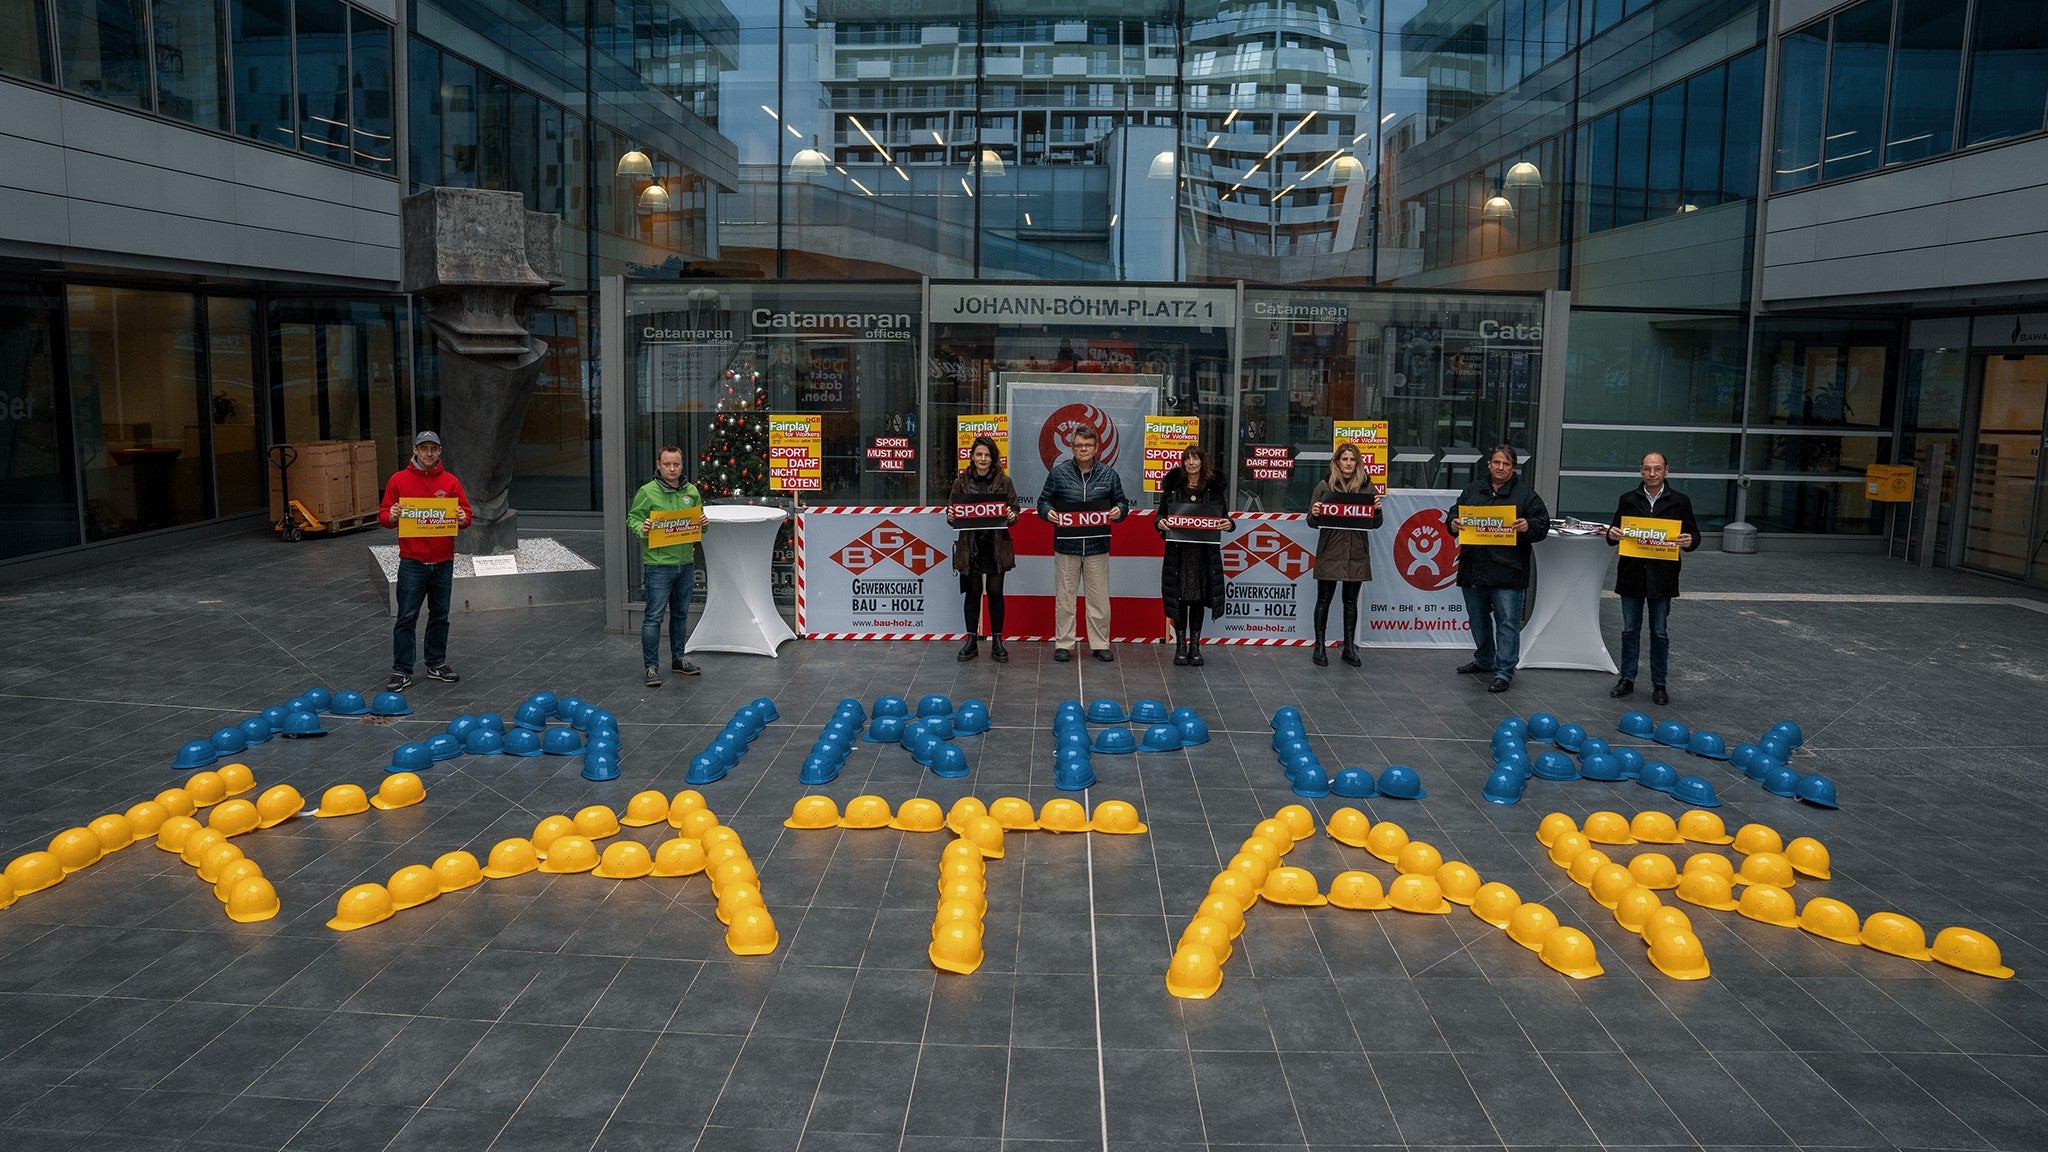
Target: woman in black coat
[(1191, 575)]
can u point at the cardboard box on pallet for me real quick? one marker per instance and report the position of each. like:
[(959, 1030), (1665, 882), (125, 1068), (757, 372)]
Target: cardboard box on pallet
[(369, 479), (323, 479)]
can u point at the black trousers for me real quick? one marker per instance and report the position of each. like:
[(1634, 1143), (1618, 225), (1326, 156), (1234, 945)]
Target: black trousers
[(980, 586)]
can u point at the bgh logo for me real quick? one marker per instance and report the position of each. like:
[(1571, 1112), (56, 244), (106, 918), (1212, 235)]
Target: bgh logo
[(888, 541), (1266, 545)]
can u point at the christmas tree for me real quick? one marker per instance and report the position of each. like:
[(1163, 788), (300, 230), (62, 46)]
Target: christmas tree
[(735, 457)]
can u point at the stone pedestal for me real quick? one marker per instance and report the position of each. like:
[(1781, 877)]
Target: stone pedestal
[(548, 574)]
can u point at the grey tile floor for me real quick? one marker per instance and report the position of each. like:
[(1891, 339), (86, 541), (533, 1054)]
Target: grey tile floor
[(568, 1012)]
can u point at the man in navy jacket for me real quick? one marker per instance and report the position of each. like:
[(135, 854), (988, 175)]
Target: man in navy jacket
[(1653, 583), (1495, 577), (1081, 563)]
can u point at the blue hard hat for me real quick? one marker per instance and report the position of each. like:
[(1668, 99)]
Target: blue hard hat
[(912, 731), (1740, 754), (1354, 784), (303, 724), (532, 716), (1789, 732), (1658, 775), (1696, 791), (1782, 782), (195, 754), (1631, 762), (1775, 746), (1294, 748), (1283, 736), (727, 750), (1160, 738), (1149, 712), (566, 706), (255, 730), (1593, 746), (830, 749), (1553, 766), (1311, 782), (298, 704), (1401, 782), (493, 721), (949, 761), (348, 702), (446, 747), (819, 770), (561, 742), (1193, 730), (1709, 745), (390, 704), (1516, 756), (603, 720), (482, 741), (410, 757), (545, 699), (1543, 726), (319, 699), (1761, 766), (770, 713), (600, 767), (520, 742), (845, 726), (601, 742), (892, 706), (1673, 734), (884, 730), (1068, 707), (1287, 717), (585, 716), (1513, 725), (1818, 790), (935, 704), (462, 726), (1570, 737), (925, 745), (1600, 766), (1295, 770), (971, 719), (1106, 712), (1504, 786), (230, 739), (1115, 742), (1636, 724), (274, 716), (1182, 713), (1072, 738), (1507, 742), (941, 726), (1073, 775), (704, 768)]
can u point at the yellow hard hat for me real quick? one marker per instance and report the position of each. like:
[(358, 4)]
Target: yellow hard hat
[(1768, 904), (253, 899), (198, 842), (1766, 868), (1583, 865), (921, 815), (342, 800), (954, 867), (454, 871), (113, 831), (1632, 908), (235, 872), (1710, 862), (1119, 818), (1495, 903), (957, 912), (985, 833), (1298, 820), (76, 848), (1235, 885), (1566, 846), (626, 860), (412, 886), (1275, 831), (216, 858), (1014, 813), (1708, 890), (206, 789), (171, 834), (1654, 870), (957, 948), (1608, 828), (399, 790), (1530, 923), (964, 852), (279, 803), (1654, 827), (513, 857), (597, 822), (360, 907), (722, 843), (234, 817), (963, 810), (736, 898), (1460, 881), (1895, 934), (1677, 953), (813, 812), (645, 809), (1291, 885), (1419, 858), (871, 812), (1209, 931), (145, 818), (33, 872), (7, 895), (1195, 973), (678, 857), (1702, 827), (688, 800), (549, 830), (965, 890), (1253, 867), (1225, 909), (1412, 892), (1348, 826), (1751, 839), (570, 853), (177, 802), (1571, 952), (1554, 824), (732, 870), (237, 778), (1809, 857), (1355, 889), (695, 823), (1264, 848), (1664, 918), (752, 933), (1832, 919), (1970, 951), (1609, 882), (1385, 840)]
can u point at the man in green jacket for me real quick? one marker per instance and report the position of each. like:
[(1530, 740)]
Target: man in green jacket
[(668, 572)]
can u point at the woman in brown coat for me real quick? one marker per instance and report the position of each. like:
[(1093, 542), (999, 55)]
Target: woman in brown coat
[(982, 555), (1342, 554)]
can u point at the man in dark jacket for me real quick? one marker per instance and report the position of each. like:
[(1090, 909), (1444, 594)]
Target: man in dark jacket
[(1080, 487), (1640, 581), (1495, 577)]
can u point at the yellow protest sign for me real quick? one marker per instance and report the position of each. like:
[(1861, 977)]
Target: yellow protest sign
[(994, 425), (675, 526), (796, 453), (1649, 538), (1486, 524), (1166, 437), (427, 516), (1371, 438)]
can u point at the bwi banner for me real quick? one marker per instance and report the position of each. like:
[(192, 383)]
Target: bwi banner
[(1044, 415), (1413, 600), (1371, 438), (995, 426), (1166, 437), (796, 454)]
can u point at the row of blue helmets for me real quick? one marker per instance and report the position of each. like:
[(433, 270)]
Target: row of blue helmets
[(1597, 760), (1307, 776), (1073, 748), (724, 752), (296, 718), (929, 707), (828, 753), (1765, 762), (928, 735)]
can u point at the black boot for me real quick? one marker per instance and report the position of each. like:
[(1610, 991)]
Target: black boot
[(1350, 630), (996, 651), (1195, 644), (1180, 650), (969, 650), (1321, 655)]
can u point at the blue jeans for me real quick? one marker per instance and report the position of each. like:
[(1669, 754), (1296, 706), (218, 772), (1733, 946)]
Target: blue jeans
[(668, 588), (435, 584), (1632, 637), (1496, 618)]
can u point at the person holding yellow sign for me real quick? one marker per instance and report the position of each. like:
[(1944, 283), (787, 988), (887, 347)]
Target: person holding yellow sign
[(1653, 524), (1497, 521), (427, 506), (668, 514)]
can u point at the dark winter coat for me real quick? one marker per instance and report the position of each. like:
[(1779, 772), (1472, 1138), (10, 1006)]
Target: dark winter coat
[(1173, 489), (1066, 485), (1341, 553), (997, 486), (1502, 565), (1641, 579)]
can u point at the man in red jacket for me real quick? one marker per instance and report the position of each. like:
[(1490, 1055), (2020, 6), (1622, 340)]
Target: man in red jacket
[(426, 564)]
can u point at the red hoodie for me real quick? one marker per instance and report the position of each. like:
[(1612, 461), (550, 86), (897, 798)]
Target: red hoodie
[(411, 482)]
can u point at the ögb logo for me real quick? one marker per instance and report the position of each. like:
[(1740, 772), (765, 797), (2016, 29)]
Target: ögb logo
[(888, 541), (1425, 552), (1266, 545), (1055, 437)]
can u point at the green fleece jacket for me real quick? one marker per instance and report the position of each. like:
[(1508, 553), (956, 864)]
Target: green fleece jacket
[(654, 496)]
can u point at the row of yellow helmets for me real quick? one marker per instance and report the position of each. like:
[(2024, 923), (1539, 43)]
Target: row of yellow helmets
[(963, 898), (1770, 866), (1010, 813)]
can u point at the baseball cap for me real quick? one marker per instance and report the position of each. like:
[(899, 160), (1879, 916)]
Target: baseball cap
[(426, 438)]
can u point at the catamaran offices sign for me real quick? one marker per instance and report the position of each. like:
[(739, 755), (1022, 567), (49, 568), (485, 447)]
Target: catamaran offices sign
[(1075, 304)]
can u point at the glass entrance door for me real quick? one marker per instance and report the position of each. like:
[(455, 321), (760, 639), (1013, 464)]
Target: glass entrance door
[(2006, 497)]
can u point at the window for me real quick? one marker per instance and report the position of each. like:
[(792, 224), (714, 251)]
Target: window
[(1744, 119), (423, 126), (1631, 163), (102, 44), (372, 137), (2008, 70), (323, 82), (1856, 70), (1667, 150), (1703, 145), (191, 79), (1802, 79), (1926, 66), (25, 39), (263, 70)]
